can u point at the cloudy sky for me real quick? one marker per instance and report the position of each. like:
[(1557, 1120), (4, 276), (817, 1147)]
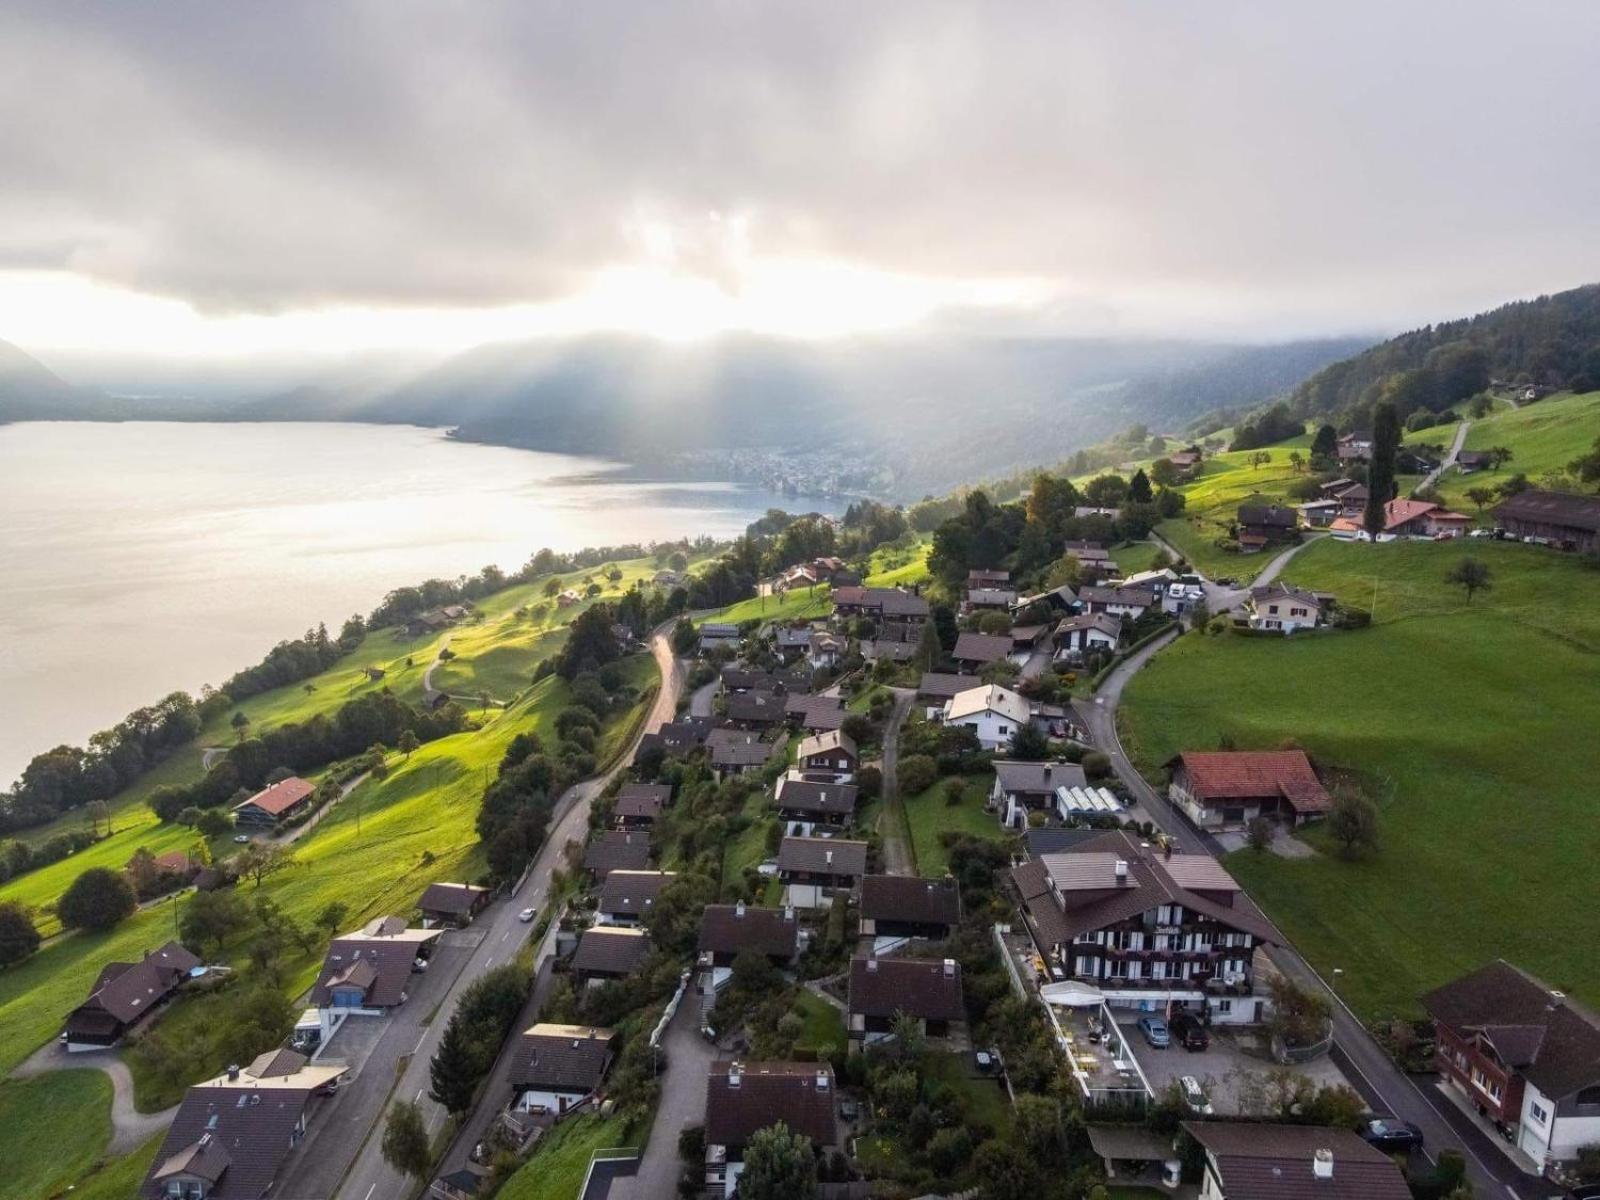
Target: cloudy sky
[(219, 178)]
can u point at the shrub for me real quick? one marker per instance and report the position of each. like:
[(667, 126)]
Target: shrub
[(18, 937), (1096, 765), (98, 900), (917, 773)]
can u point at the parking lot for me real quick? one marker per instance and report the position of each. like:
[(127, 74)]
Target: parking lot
[(1220, 1068)]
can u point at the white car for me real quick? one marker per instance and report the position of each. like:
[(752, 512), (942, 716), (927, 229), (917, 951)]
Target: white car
[(1194, 1096), (525, 915), (241, 838)]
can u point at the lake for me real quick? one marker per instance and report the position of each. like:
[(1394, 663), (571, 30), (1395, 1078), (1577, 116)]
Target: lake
[(140, 558)]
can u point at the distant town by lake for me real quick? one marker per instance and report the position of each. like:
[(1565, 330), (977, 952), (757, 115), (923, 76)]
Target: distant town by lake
[(144, 557)]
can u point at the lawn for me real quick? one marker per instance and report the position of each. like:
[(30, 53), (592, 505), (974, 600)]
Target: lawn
[(1226, 481), (1542, 437), (118, 1178), (561, 1159), (57, 1125), (987, 1102), (1133, 557), (795, 604), (892, 566), (1464, 721), (824, 1023), (929, 816)]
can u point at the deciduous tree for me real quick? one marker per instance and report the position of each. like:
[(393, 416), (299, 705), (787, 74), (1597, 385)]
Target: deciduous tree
[(18, 937), (98, 900), (778, 1165), (1470, 574), (405, 1141)]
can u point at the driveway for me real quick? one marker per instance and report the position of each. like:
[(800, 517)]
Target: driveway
[(700, 699), (1432, 477), (683, 1103), (897, 858), (129, 1127), (357, 1159)]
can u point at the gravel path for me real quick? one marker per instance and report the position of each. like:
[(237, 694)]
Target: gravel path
[(129, 1127)]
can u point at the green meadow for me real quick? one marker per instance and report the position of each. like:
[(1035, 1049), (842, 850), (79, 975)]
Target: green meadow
[(929, 815), (55, 1125), (1542, 437), (1212, 501), (1466, 722)]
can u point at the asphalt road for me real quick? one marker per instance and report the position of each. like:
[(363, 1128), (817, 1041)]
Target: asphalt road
[(682, 1104), (1432, 477), (357, 1158)]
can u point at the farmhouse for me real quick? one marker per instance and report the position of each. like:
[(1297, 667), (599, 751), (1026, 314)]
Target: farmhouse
[(124, 994), (608, 952), (1249, 1161), (808, 806), (1352, 500), (1280, 608), (744, 1098), (1020, 787), (452, 903), (988, 599), (1147, 930), (1131, 602), (992, 712), (987, 577), (1469, 461), (1568, 521), (367, 971), (1078, 637), (1522, 1054), (626, 897), (1227, 789), (616, 850), (1355, 446), (824, 650), (895, 908), (1407, 518), (279, 802), (1262, 525), (831, 753), (882, 604), (927, 991), (975, 650), (556, 1069), (231, 1134), (1319, 514)]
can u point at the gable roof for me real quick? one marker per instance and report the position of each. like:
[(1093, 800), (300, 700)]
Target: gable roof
[(1402, 511), (803, 795), (739, 748), (1275, 1162), (632, 891), (756, 705), (907, 898), (1551, 1040), (376, 958), (926, 988), (456, 898), (611, 950), (1117, 595), (1038, 778), (561, 1057), (1250, 774), (1552, 508), (1278, 590), (981, 647), (730, 928), (1273, 516), (937, 685), (823, 856), (816, 712), (990, 697), (617, 850), (280, 797), (827, 742), (743, 1098), (1103, 622), (642, 800)]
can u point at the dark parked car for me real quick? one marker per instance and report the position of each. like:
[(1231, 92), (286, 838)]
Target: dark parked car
[(1189, 1032), (1392, 1135)]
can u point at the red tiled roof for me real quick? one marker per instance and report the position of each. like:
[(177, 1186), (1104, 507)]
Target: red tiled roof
[(1243, 774), (280, 797)]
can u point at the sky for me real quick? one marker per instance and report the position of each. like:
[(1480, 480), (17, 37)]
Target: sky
[(214, 179)]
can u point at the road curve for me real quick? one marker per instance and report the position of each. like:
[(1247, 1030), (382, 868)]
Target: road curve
[(1449, 460), (129, 1126)]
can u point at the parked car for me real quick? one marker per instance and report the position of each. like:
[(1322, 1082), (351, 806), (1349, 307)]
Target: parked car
[(1195, 1097), (1391, 1135), (525, 915), (241, 838), (1189, 1031), (1480, 533), (1155, 1032)]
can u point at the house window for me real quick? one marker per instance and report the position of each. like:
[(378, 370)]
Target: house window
[(1538, 1112), (1224, 1006)]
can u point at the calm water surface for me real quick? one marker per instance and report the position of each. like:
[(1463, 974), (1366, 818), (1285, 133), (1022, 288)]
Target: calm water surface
[(144, 557)]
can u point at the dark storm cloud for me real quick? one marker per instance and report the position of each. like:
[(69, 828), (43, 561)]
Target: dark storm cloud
[(1290, 164)]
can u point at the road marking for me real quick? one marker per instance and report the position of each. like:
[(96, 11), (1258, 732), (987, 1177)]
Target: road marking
[(370, 1190), (418, 1046), (418, 1100), (505, 935), (488, 962)]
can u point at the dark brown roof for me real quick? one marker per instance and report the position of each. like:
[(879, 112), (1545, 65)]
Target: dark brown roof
[(1117, 595), (679, 737), (1274, 1162), (742, 1098), (632, 891), (643, 800), (454, 898), (739, 748), (730, 928), (127, 991), (756, 706), (981, 647), (937, 686), (245, 1143), (926, 988), (816, 712), (1273, 516), (617, 850), (610, 951), (1549, 1039), (561, 1057), (829, 799), (381, 966), (823, 856), (907, 898), (1038, 778), (891, 602), (1552, 508)]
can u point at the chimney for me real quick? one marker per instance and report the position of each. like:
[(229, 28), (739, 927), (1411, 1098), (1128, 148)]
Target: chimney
[(949, 968), (1122, 871), (872, 965), (1322, 1164), (233, 1071), (738, 909), (828, 857), (733, 1075), (788, 912), (823, 1081)]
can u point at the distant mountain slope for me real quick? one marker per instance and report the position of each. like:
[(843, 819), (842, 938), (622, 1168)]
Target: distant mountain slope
[(1552, 341), (29, 391)]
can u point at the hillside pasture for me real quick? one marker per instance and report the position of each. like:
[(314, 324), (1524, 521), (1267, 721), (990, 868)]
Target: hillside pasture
[(1542, 437), (1212, 501)]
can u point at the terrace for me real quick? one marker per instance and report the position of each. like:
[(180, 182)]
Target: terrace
[(1103, 1063)]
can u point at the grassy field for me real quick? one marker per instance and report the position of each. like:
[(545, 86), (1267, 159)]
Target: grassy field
[(561, 1159), (1133, 557), (824, 1023), (795, 604), (1226, 481), (1462, 718), (56, 1127), (929, 816), (1542, 437), (118, 1178), (891, 567)]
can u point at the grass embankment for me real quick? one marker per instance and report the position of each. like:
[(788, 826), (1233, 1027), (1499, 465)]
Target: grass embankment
[(1226, 481), (1133, 557), (1542, 437), (929, 815), (824, 1024), (118, 1178), (56, 1126), (892, 566), (1468, 721), (561, 1160), (795, 604)]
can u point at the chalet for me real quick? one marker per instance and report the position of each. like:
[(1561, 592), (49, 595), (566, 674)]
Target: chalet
[(814, 714), (745, 1098), (1355, 446), (876, 650), (808, 806), (1063, 599), (1227, 789), (729, 930), (987, 577), (566, 598), (1280, 608), (833, 752), (231, 1135), (814, 867), (882, 990), (992, 712), (1569, 521), (1080, 636), (279, 802), (1469, 461), (1319, 514), (616, 850), (733, 679), (1524, 1055), (1090, 552), (367, 972), (626, 897), (790, 643), (1333, 488), (677, 738), (1025, 639), (608, 952), (735, 752), (976, 650), (1262, 525), (755, 709), (1132, 602), (667, 579), (935, 688), (1353, 500), (718, 636), (422, 623), (1149, 931), (1187, 459), (1254, 1161), (896, 908), (124, 994), (557, 1069), (889, 606), (639, 805), (988, 599), (824, 650), (1407, 518), (453, 904), (1023, 787)]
